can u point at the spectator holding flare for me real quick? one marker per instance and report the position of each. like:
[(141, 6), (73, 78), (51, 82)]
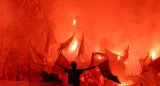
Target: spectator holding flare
[(74, 74)]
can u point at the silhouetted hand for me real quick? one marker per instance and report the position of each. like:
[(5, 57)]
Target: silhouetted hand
[(90, 68)]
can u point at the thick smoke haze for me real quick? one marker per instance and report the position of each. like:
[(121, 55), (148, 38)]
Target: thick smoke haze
[(9, 13), (113, 25), (107, 24)]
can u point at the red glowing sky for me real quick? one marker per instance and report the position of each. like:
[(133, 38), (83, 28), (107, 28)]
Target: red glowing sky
[(111, 24)]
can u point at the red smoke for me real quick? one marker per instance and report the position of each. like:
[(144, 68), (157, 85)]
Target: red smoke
[(106, 24)]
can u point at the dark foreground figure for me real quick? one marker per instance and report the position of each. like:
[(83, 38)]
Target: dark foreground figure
[(73, 74), (44, 76), (50, 78)]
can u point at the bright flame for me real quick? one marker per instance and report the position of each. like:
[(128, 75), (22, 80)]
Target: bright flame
[(99, 57), (118, 53), (153, 55), (74, 22), (154, 52), (123, 84), (126, 83), (74, 45), (119, 57)]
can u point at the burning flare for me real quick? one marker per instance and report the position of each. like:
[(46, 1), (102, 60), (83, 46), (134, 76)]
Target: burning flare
[(153, 55), (74, 45), (154, 52), (99, 57), (74, 22), (118, 53), (119, 57)]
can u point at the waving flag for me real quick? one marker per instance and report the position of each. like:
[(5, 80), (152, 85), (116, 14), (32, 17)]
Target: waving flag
[(60, 64), (147, 60), (105, 70), (35, 56), (35, 61), (155, 65), (67, 43), (150, 71), (111, 55), (144, 64), (98, 58), (50, 40), (117, 66), (126, 54)]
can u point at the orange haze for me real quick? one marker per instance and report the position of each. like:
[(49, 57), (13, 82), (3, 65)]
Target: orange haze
[(111, 24)]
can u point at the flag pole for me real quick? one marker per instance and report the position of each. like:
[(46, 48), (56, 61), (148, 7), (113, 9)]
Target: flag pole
[(57, 59), (91, 59), (79, 43), (28, 46), (83, 46), (28, 69)]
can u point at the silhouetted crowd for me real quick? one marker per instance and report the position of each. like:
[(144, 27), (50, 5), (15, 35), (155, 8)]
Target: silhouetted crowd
[(49, 77), (78, 77)]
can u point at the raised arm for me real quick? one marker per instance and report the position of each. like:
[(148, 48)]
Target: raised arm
[(89, 68), (61, 66)]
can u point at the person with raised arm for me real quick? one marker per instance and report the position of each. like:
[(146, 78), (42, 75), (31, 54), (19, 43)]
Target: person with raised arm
[(73, 74)]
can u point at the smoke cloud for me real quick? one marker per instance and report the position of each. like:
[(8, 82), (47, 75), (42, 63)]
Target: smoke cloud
[(113, 25), (107, 24)]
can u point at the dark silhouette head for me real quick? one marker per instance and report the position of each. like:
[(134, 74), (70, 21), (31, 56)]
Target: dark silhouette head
[(44, 74), (74, 65)]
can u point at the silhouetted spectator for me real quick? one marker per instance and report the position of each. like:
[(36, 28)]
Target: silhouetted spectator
[(73, 74), (53, 78), (44, 76)]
